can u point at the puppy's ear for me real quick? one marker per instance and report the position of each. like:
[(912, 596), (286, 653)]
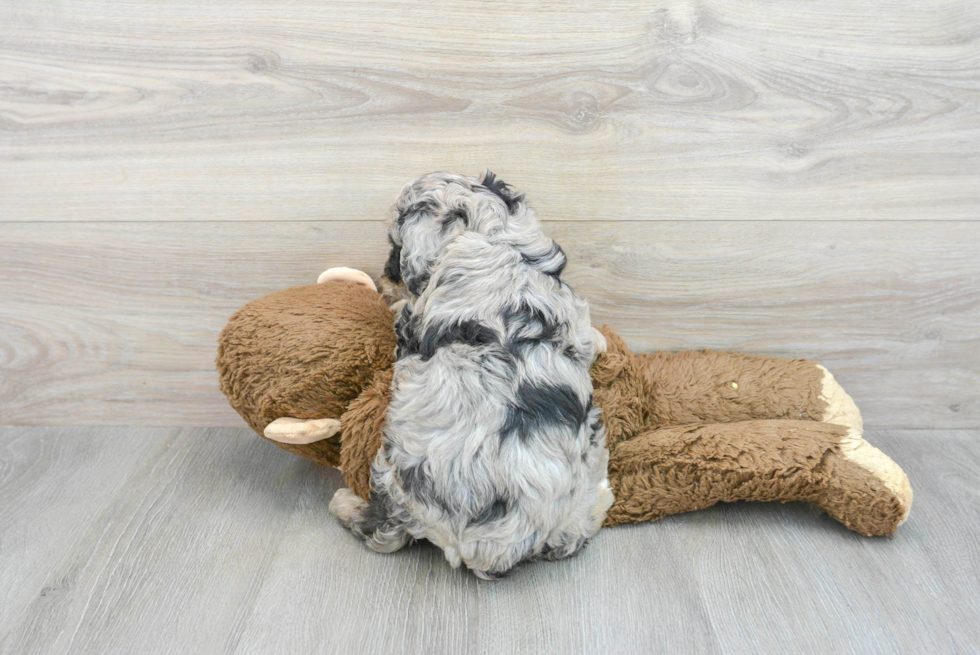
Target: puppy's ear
[(502, 190), (393, 267)]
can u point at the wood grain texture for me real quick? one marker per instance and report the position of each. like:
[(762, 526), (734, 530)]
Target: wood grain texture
[(617, 110), (214, 541), (55, 483), (177, 557), (118, 323)]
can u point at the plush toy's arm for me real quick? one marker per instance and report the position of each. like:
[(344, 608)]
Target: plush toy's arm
[(361, 436), (647, 391), (684, 468), (719, 387)]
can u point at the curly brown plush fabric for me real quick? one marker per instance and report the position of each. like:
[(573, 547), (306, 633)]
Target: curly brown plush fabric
[(688, 467), (750, 460), (361, 432), (685, 430), (640, 392), (305, 352)]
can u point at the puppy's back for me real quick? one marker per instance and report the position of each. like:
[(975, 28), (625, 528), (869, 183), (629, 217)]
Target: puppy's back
[(492, 447)]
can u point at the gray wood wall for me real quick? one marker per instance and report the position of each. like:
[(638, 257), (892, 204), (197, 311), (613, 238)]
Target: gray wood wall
[(775, 177)]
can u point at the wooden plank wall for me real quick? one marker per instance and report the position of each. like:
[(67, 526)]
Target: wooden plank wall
[(782, 178)]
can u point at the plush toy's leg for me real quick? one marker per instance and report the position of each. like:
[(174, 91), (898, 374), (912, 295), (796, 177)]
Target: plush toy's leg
[(301, 431), (684, 468), (841, 410), (639, 392), (348, 274), (718, 387)]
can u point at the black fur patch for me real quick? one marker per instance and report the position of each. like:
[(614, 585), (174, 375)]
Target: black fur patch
[(528, 325), (552, 264), (553, 553), (415, 480), (418, 283), (375, 515), (595, 423), (492, 512), (411, 342), (541, 406), (454, 215), (502, 190), (419, 208), (393, 267), (472, 333), (449, 279), (406, 333)]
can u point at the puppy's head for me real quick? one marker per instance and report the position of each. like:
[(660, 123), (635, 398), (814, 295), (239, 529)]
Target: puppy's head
[(433, 211)]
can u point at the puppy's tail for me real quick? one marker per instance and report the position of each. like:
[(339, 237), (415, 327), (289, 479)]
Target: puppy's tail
[(372, 520)]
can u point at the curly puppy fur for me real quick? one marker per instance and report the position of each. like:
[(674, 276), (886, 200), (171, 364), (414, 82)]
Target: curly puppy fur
[(493, 449)]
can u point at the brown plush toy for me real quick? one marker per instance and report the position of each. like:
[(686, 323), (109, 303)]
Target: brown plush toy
[(309, 368)]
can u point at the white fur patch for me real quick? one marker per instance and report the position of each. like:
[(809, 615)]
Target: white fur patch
[(345, 504)]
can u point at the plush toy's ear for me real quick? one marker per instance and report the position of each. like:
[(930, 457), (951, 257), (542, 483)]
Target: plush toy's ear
[(344, 274), (301, 431)]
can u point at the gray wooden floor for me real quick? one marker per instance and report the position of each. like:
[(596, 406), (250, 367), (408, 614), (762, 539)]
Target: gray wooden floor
[(126, 540)]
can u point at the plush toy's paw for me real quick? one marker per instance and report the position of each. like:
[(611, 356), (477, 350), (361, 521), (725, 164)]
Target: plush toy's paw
[(841, 410), (300, 431), (347, 274)]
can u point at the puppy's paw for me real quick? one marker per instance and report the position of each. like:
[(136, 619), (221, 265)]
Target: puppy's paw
[(347, 274), (346, 504), (598, 342), (606, 499)]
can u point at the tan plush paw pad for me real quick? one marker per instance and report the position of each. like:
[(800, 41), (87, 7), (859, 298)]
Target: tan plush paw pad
[(858, 451), (347, 274), (301, 431), (841, 410)]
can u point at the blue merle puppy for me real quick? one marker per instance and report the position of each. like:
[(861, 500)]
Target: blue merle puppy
[(492, 449)]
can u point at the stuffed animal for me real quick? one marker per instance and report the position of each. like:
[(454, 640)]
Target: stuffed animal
[(309, 369)]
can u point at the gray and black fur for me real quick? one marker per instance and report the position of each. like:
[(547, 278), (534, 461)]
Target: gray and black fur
[(492, 449)]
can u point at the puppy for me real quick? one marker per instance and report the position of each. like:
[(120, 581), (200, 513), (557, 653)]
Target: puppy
[(492, 448)]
